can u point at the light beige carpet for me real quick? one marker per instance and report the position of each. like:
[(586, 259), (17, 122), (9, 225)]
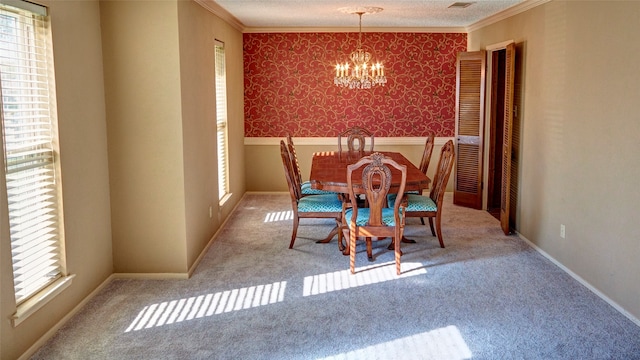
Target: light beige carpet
[(484, 296)]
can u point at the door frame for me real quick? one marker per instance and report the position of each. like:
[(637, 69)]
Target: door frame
[(490, 49)]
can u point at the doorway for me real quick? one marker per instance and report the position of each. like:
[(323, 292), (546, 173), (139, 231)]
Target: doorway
[(496, 131), (486, 151), (502, 134)]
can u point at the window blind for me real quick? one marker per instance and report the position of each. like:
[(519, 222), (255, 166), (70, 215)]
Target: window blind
[(29, 133), (221, 119)]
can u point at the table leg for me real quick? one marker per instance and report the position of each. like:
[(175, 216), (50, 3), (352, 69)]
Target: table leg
[(329, 237)]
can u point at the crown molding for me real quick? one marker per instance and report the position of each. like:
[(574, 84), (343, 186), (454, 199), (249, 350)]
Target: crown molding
[(514, 10), (262, 30), (220, 12)]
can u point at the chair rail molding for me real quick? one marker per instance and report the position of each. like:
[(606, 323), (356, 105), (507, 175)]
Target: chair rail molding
[(275, 141)]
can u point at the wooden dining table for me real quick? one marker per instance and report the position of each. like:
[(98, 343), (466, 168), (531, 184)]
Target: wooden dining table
[(329, 172)]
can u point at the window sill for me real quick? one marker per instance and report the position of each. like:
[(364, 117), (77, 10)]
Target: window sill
[(36, 302), (224, 199)]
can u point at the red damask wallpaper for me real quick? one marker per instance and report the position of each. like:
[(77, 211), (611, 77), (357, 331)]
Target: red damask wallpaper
[(288, 79)]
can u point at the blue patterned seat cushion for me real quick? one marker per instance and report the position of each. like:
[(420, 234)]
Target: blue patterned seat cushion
[(417, 203), (320, 203), (391, 198), (308, 190), (363, 216)]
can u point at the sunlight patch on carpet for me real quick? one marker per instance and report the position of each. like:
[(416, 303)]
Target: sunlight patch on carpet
[(444, 343), (278, 216), (194, 307), (341, 280)]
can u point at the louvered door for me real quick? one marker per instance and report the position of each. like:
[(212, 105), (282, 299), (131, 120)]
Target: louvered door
[(470, 93), (507, 143)]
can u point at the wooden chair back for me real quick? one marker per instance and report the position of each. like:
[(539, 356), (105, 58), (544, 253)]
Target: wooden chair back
[(356, 139), (290, 173), (376, 184), (426, 154), (294, 156), (294, 167), (443, 171)]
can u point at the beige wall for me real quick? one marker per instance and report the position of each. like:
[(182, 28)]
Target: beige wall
[(197, 31), (580, 126), (145, 135), (137, 147), (83, 152), (579, 147), (159, 82)]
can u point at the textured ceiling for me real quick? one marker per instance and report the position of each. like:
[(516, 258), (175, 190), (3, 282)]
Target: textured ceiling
[(282, 14)]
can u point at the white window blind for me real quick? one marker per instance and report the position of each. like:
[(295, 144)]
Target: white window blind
[(221, 120), (30, 153)]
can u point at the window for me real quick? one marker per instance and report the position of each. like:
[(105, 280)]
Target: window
[(31, 162), (221, 121)]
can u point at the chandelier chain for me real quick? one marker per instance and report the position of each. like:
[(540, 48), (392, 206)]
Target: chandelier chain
[(360, 31)]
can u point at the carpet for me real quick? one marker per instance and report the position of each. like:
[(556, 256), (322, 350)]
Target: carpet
[(484, 296)]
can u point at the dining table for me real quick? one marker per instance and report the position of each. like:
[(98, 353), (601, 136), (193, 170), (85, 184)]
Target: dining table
[(329, 173)]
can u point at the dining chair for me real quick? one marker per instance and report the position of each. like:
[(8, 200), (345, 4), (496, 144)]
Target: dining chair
[(426, 154), (424, 166), (377, 220), (326, 206), (356, 139), (426, 159), (305, 186), (431, 206)]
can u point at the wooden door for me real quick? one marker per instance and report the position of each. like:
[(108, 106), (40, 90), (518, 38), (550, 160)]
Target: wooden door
[(470, 94), (507, 143)]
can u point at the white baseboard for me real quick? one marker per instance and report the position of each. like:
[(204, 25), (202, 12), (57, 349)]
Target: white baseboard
[(142, 276), (267, 192), (159, 276), (49, 334), (581, 281), (213, 238), (151, 276)]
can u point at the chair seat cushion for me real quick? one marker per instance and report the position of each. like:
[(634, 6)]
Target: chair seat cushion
[(320, 203), (308, 190), (391, 198), (363, 216), (419, 203)]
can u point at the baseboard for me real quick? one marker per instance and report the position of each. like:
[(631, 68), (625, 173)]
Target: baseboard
[(581, 281), (213, 238), (266, 192), (192, 268), (49, 334), (140, 276), (151, 276), (43, 339)]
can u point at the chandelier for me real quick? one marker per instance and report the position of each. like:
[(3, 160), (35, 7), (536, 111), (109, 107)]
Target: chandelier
[(362, 74)]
